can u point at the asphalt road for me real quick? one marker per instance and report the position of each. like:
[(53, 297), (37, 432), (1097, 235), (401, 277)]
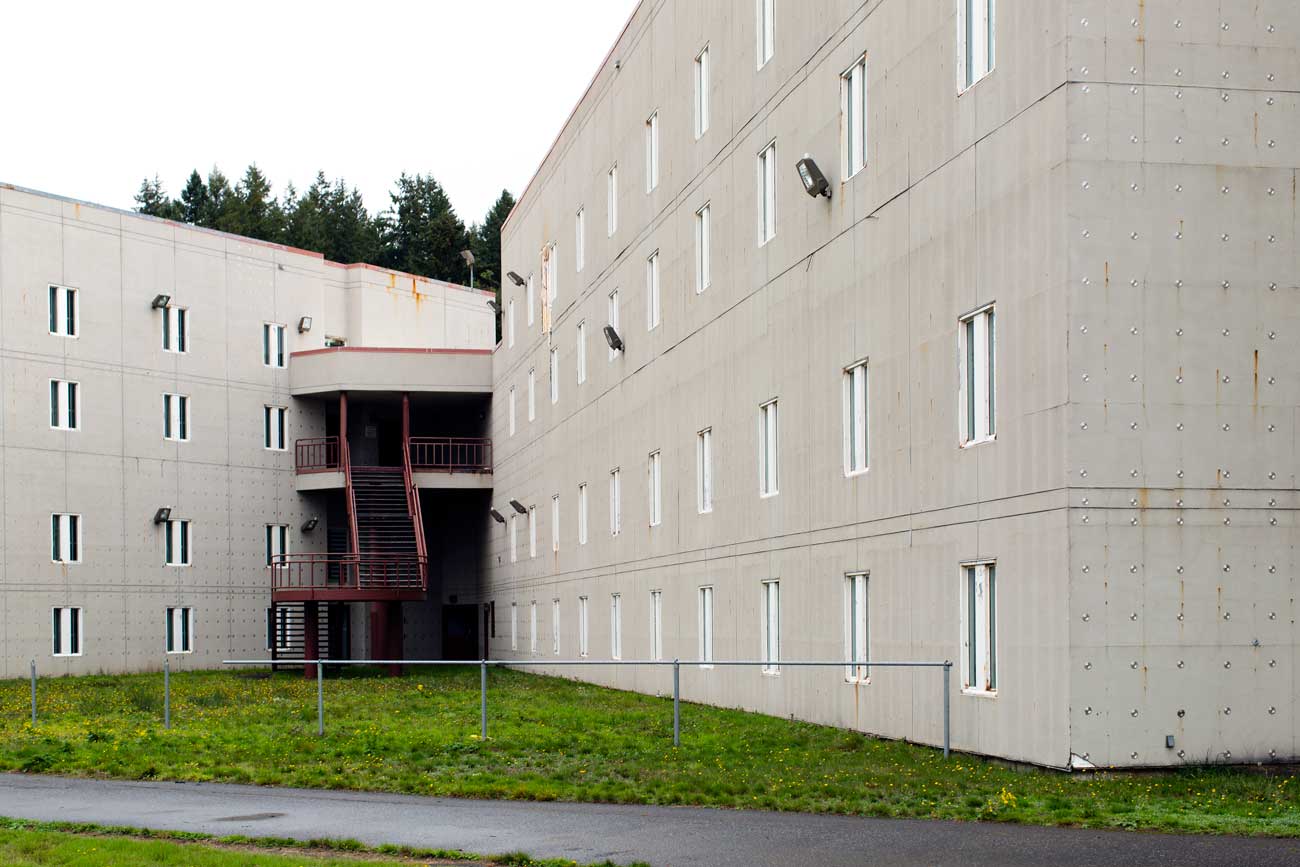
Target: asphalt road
[(663, 836)]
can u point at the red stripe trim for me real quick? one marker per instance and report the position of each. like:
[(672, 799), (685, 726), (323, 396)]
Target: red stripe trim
[(408, 349)]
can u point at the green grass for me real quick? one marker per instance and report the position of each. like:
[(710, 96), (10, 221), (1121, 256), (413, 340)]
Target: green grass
[(62, 844), (554, 739)]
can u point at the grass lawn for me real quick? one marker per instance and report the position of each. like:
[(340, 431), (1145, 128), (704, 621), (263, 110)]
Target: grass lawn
[(553, 739)]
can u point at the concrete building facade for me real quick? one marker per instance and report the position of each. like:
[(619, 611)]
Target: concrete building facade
[(1021, 393)]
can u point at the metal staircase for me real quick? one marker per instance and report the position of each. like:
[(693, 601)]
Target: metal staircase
[(388, 537)]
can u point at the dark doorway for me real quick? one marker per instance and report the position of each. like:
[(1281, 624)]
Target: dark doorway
[(460, 632), (339, 618)]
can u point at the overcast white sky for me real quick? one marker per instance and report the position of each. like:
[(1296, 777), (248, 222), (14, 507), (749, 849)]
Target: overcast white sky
[(98, 95)]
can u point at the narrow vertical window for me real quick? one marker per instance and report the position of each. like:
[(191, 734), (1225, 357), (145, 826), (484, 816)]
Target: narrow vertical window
[(580, 240), (65, 538), (611, 200), (273, 427), (176, 417), (180, 628), (654, 483), (511, 410), (64, 398), (976, 43), (67, 631), (510, 323), (583, 623), (767, 449), (652, 152), (555, 374), (979, 627), (702, 92), (174, 329), (514, 538), (582, 352), (177, 543), (615, 507), (771, 627), (652, 291), (767, 172), (976, 351), (555, 523), (550, 278), (532, 393), (514, 626), (703, 248), (530, 299), (582, 514), (704, 471), (555, 626), (706, 627), (532, 531), (277, 543), (63, 311), (853, 110), (766, 31), (613, 321), (855, 419), (532, 627), (857, 643), (656, 624), (272, 344), (616, 626)]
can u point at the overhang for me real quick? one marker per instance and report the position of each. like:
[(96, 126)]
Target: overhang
[(325, 372)]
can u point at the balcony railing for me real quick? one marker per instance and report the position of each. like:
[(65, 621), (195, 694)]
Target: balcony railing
[(451, 455), (318, 455), (344, 572)]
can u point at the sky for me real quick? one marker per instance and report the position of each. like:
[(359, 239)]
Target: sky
[(99, 95)]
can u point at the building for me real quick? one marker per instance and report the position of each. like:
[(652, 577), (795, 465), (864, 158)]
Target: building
[(1020, 392), (215, 447)]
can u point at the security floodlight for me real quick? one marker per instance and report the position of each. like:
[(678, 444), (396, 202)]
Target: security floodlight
[(515, 278), (467, 256), (310, 524), (161, 301), (495, 306), (814, 182), (519, 507), (163, 515), (611, 337), (304, 325), (497, 516)]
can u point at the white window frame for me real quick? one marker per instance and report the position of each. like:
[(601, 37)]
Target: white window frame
[(277, 542), (178, 539), (555, 523), (976, 42), (514, 538), (770, 627), (532, 394), (615, 501), (510, 323), (704, 471), (554, 363), (532, 531), (514, 626), (555, 626), (857, 627), (765, 31), (580, 240), (769, 470), (67, 630), (176, 417), (857, 414), (767, 204), (582, 351), (511, 410), (530, 300), (65, 404), (977, 380), (652, 151), (654, 482), (853, 117), (705, 630), (65, 538), (656, 624), (584, 632), (532, 627), (703, 247), (652, 312), (179, 623), (979, 667), (175, 324), (274, 354), (611, 201), (616, 626), (60, 322), (612, 310), (582, 513), (275, 427), (702, 82)]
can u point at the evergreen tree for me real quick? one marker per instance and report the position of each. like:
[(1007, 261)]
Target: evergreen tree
[(194, 200), (253, 211), (152, 200), (421, 232), (352, 235), (220, 201), (485, 242)]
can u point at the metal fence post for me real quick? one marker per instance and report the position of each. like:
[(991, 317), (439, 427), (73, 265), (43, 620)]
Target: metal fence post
[(947, 671), (33, 692), (677, 703), (320, 699), (482, 700), (167, 693)]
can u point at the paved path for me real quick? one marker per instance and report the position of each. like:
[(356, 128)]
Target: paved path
[(664, 836)]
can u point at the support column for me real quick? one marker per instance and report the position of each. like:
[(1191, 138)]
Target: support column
[(378, 630), (311, 637), (395, 636)]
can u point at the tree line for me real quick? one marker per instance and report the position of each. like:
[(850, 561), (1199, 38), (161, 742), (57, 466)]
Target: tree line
[(419, 233)]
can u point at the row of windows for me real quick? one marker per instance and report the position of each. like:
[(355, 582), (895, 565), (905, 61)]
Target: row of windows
[(978, 619), (65, 321), (66, 545), (68, 626), (976, 30)]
